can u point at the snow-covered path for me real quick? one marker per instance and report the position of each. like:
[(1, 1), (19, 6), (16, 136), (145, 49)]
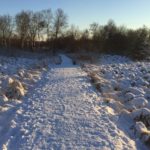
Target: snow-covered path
[(62, 112)]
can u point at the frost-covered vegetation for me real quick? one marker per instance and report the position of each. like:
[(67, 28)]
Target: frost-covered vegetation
[(18, 75), (125, 87)]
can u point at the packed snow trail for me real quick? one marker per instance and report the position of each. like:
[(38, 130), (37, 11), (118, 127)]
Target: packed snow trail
[(62, 113)]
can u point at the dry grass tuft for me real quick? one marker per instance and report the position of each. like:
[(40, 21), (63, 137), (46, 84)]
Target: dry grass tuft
[(15, 89)]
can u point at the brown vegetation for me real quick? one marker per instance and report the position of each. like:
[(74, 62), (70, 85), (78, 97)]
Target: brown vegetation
[(47, 30)]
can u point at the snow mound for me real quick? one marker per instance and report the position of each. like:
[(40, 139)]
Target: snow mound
[(139, 102)]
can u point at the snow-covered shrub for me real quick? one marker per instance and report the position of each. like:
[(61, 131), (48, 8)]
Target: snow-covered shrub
[(129, 96), (139, 102), (142, 132), (113, 95), (124, 84), (126, 90), (116, 105), (100, 83), (114, 85), (32, 75), (21, 73), (15, 89), (107, 100), (142, 115), (106, 87), (135, 91), (147, 96), (147, 77), (3, 98), (141, 82)]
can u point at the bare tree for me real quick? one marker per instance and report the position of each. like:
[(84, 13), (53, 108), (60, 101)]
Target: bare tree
[(110, 28), (48, 18), (36, 25), (22, 26), (94, 28), (74, 32), (6, 29), (60, 22)]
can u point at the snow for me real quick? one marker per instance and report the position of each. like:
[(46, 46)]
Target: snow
[(13, 86), (61, 110), (127, 86)]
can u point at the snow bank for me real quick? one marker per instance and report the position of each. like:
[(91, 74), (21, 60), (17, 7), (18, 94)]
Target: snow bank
[(126, 86), (17, 78)]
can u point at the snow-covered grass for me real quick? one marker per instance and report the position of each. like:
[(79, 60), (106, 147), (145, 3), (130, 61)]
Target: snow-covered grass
[(125, 86), (18, 76), (60, 109)]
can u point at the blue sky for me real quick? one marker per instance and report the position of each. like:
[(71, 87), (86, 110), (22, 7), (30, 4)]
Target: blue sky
[(132, 13)]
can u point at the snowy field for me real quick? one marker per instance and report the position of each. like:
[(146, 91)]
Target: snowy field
[(55, 106)]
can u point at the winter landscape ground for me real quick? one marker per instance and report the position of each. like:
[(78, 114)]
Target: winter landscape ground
[(52, 104)]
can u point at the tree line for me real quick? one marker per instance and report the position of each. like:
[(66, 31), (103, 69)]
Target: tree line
[(27, 28), (51, 30)]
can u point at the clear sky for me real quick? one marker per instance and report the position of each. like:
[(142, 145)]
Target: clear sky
[(132, 13)]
